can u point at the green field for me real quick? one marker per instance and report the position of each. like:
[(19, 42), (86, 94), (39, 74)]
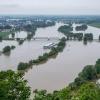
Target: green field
[(4, 34), (95, 25)]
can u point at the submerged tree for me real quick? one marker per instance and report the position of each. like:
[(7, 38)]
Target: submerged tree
[(99, 37), (6, 49)]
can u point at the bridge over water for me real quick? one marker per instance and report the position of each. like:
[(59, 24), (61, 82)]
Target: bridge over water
[(42, 38), (35, 38), (45, 38)]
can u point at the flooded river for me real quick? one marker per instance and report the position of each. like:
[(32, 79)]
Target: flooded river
[(59, 71)]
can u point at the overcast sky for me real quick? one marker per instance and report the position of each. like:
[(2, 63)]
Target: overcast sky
[(51, 7)]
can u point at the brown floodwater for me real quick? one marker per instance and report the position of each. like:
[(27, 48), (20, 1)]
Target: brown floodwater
[(57, 72), (29, 50)]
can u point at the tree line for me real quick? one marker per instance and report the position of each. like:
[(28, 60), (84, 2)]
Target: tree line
[(67, 31)]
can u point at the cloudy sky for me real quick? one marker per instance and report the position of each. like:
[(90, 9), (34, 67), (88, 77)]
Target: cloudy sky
[(51, 7)]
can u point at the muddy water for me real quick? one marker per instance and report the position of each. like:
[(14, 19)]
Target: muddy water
[(57, 72)]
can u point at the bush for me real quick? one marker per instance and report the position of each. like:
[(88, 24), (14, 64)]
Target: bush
[(99, 37), (97, 67), (88, 37), (6, 49), (13, 47), (98, 61), (21, 42), (88, 73), (81, 28), (0, 38), (78, 36), (88, 91), (22, 66)]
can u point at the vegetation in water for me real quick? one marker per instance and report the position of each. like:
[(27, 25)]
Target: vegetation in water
[(84, 87), (82, 27), (44, 57), (67, 31), (99, 37), (88, 37), (20, 42), (8, 49)]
